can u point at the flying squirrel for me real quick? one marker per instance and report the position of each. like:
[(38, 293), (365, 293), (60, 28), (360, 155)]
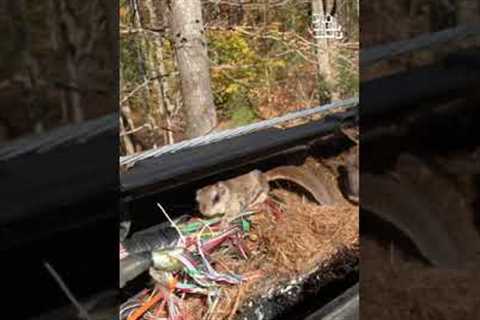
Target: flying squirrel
[(232, 197)]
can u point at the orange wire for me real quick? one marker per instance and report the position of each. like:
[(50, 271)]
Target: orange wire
[(144, 307)]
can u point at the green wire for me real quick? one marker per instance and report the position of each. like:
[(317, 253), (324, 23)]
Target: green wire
[(195, 226), (246, 225)]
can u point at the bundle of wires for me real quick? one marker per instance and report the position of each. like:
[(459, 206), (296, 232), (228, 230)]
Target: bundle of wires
[(151, 305), (193, 272)]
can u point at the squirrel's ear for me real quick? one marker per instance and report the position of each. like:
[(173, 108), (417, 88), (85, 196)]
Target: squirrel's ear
[(198, 194), (256, 173), (222, 187)]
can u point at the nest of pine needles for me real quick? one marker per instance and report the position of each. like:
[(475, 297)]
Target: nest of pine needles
[(281, 248)]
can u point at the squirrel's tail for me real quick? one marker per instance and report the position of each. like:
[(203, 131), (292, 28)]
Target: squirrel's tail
[(304, 178)]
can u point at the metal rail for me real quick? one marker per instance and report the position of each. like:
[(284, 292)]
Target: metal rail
[(72, 133), (373, 55), (232, 133)]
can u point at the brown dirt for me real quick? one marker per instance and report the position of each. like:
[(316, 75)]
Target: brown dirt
[(306, 236), (393, 288)]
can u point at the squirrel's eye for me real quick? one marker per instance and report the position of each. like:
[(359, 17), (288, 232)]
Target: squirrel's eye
[(216, 198)]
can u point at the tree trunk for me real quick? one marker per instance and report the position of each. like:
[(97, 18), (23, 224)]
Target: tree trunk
[(156, 62), (325, 69), (467, 11), (70, 27), (193, 65)]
